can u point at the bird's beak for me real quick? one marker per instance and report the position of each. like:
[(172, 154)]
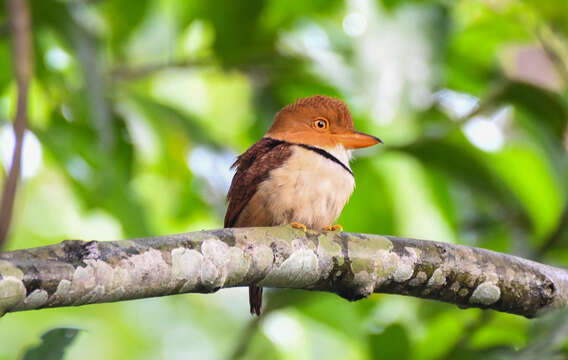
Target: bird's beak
[(353, 139)]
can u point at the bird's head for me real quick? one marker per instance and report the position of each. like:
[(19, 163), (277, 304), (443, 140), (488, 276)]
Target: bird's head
[(319, 121)]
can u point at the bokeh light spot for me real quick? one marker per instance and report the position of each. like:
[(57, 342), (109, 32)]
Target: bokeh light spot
[(31, 155), (57, 58), (484, 134), (354, 24)]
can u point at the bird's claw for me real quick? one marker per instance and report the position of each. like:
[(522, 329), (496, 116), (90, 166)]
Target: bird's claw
[(297, 225), (333, 228)]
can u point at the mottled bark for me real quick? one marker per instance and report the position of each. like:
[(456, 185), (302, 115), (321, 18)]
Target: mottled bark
[(352, 265)]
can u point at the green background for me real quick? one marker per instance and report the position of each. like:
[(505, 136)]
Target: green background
[(138, 108)]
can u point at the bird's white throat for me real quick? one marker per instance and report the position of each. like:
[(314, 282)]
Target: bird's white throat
[(341, 154)]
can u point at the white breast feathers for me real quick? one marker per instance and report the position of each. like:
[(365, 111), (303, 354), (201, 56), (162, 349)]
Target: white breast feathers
[(308, 188)]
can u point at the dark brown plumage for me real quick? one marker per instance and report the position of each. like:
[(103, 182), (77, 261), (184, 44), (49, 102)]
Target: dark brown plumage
[(253, 167)]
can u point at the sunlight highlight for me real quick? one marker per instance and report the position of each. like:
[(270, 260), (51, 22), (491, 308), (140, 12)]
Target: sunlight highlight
[(456, 104), (283, 330), (484, 134), (215, 168), (354, 24), (57, 58), (31, 155)]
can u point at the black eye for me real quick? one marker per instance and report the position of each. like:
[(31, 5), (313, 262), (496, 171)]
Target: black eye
[(320, 123)]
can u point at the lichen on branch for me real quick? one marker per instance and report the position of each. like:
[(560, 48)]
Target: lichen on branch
[(352, 265)]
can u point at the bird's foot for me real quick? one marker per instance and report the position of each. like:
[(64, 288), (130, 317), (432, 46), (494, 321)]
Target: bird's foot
[(333, 227), (297, 225)]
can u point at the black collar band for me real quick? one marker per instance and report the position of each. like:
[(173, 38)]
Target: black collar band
[(319, 151)]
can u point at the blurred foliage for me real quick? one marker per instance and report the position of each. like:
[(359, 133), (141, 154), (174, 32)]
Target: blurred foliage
[(53, 345), (139, 109)]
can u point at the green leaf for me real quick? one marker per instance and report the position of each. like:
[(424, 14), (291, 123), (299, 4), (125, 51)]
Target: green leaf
[(479, 33), (370, 208), (528, 173), (53, 344), (5, 63), (123, 18), (391, 343), (259, 347), (278, 14), (159, 114), (460, 161), (549, 335), (104, 177), (238, 38), (547, 109), (325, 308)]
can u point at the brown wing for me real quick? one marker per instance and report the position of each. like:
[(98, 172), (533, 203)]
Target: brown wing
[(253, 167)]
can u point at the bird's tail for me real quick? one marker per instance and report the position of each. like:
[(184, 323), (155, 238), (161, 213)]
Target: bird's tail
[(255, 299)]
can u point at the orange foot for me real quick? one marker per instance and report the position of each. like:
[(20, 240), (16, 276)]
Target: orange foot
[(297, 225), (333, 228)]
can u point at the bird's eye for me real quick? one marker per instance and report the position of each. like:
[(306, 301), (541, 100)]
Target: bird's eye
[(320, 123)]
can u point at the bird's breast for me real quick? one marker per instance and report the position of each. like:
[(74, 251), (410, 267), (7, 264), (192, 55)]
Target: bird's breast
[(308, 188)]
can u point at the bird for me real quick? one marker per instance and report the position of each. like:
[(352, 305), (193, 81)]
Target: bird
[(298, 173)]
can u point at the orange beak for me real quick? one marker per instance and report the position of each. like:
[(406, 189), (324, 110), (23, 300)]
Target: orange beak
[(353, 139)]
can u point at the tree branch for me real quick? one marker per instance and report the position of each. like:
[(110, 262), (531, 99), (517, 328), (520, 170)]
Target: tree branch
[(22, 61), (352, 265), (125, 73), (95, 87)]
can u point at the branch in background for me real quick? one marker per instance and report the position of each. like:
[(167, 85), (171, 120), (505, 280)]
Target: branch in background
[(20, 28), (562, 227), (470, 329), (555, 49), (351, 265), (556, 235), (125, 73), (4, 29), (95, 87), (245, 337)]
